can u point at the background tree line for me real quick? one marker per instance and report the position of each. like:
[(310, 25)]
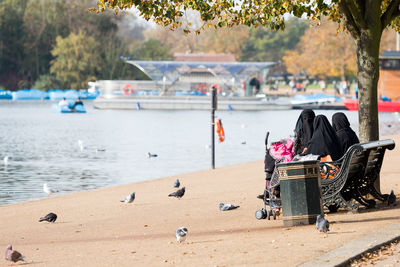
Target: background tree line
[(48, 44)]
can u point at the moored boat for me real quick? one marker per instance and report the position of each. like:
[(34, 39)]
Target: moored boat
[(383, 106)]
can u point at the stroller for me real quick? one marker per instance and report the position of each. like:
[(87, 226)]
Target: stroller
[(280, 151)]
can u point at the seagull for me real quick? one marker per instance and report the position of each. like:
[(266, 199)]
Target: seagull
[(391, 198), (13, 255), (177, 183), (5, 159), (152, 155), (181, 234), (51, 217), (224, 207), (129, 198), (80, 144), (48, 190), (322, 224), (178, 194)]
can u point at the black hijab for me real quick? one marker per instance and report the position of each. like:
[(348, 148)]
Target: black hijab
[(347, 137), (324, 140), (303, 130)]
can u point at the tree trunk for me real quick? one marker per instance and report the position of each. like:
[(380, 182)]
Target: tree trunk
[(368, 74)]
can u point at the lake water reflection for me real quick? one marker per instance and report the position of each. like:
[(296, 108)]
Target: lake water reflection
[(42, 146)]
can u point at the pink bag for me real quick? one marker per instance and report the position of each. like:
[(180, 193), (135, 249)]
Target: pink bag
[(282, 150)]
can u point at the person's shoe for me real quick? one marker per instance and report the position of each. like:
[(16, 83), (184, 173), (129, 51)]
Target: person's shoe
[(260, 196)]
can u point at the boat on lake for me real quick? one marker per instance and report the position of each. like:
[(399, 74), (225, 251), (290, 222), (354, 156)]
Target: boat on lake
[(383, 106), (68, 109)]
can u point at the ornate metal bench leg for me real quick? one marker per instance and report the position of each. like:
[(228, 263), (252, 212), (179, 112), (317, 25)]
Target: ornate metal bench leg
[(377, 195), (369, 203)]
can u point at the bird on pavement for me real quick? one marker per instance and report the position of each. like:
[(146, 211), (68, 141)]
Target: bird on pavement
[(177, 183), (48, 190), (129, 198), (322, 224), (224, 207), (51, 217), (13, 255), (178, 194), (181, 234), (391, 198)]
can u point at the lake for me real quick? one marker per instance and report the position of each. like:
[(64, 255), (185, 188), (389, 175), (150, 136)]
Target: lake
[(42, 146)]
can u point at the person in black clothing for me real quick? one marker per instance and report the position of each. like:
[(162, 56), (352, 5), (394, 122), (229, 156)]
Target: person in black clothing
[(304, 130), (77, 102), (324, 141), (347, 137)]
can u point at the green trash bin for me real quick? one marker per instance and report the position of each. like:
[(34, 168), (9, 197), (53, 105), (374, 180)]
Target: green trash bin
[(300, 185)]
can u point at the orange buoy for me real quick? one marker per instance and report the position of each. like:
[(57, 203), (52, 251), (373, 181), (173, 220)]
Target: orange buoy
[(220, 130), (127, 89)]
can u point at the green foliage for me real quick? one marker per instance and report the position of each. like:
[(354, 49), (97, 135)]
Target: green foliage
[(28, 32), (152, 50), (266, 45), (47, 82), (76, 60)]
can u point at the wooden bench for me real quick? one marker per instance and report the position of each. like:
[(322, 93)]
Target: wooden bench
[(354, 176)]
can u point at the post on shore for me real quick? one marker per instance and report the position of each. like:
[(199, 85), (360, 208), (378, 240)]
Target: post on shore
[(213, 108)]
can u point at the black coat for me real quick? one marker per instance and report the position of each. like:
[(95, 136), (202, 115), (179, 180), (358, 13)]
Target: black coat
[(347, 137), (304, 130), (324, 140)]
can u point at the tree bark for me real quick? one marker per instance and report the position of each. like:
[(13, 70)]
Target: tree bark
[(368, 74)]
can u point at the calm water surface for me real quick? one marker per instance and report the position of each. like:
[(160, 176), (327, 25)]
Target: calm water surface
[(43, 146)]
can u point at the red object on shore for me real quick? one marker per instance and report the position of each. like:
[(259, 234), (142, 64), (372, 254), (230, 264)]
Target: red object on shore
[(383, 106)]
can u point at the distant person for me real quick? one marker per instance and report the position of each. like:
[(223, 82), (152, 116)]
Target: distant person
[(347, 137), (77, 103), (324, 141), (304, 130), (63, 102)]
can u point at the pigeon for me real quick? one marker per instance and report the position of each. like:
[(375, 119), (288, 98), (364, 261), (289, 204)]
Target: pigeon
[(48, 190), (51, 217), (129, 198), (152, 155), (391, 198), (181, 234), (322, 224), (13, 255), (177, 183), (178, 194), (224, 207), (5, 160)]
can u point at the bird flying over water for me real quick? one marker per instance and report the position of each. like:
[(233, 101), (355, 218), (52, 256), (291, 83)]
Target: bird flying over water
[(48, 190), (177, 183), (322, 224), (129, 198), (224, 207), (178, 194), (51, 217), (181, 234), (13, 255)]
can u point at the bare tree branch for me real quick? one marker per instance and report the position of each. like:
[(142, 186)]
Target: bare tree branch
[(391, 10)]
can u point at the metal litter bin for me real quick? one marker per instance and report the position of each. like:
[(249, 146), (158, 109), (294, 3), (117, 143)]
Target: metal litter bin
[(300, 184)]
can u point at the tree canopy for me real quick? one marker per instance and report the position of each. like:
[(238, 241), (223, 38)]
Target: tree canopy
[(323, 52)]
